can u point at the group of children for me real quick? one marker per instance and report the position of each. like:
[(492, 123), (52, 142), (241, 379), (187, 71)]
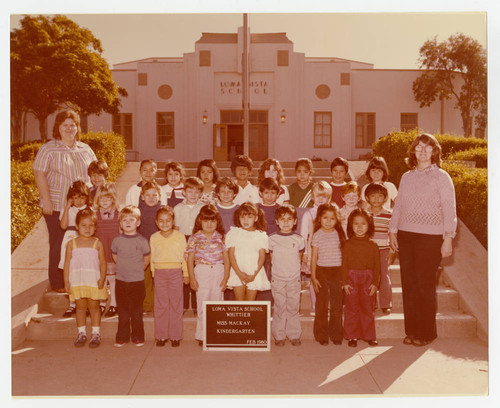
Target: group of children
[(212, 238)]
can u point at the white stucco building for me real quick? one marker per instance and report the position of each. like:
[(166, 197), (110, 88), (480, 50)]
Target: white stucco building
[(190, 108)]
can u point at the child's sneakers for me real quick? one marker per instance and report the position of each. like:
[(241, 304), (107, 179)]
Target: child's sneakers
[(70, 311), (295, 342), (95, 340), (352, 343), (279, 343), (119, 343), (80, 339), (139, 343)]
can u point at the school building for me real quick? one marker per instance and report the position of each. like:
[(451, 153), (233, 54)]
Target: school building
[(190, 108)]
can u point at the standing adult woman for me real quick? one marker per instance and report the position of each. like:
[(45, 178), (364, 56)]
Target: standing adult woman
[(59, 163), (422, 227)]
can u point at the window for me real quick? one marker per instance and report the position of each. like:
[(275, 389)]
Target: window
[(205, 59), (365, 130), (409, 121), (345, 78), (142, 79), (165, 130), (283, 58), (322, 129), (122, 124)]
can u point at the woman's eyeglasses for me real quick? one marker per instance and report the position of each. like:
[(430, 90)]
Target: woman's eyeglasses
[(420, 148)]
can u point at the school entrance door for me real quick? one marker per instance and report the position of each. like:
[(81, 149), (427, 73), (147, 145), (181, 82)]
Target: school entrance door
[(228, 135)]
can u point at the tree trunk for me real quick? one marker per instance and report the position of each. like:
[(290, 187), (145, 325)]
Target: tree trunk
[(42, 127), (466, 124), (16, 125)]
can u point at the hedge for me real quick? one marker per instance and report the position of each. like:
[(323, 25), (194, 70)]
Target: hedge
[(25, 210), (478, 155), (471, 190), (394, 148), (471, 185)]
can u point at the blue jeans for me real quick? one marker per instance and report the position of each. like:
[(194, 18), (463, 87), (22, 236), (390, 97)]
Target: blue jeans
[(56, 234)]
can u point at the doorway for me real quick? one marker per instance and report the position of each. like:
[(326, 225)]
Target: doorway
[(228, 136)]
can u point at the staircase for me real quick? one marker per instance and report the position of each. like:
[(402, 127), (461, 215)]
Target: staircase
[(452, 322)]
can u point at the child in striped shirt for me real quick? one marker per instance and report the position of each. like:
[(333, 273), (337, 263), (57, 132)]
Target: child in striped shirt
[(376, 195)]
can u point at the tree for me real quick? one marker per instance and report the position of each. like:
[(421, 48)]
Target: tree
[(55, 63), (455, 68)]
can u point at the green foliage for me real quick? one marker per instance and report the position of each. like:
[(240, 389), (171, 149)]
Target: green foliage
[(25, 151), (471, 189), (478, 155), (25, 210), (394, 149), (110, 147), (456, 69), (471, 185), (55, 63)]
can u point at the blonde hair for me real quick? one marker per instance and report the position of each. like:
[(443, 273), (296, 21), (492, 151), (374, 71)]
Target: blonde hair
[(321, 187), (106, 190), (351, 187), (130, 210)]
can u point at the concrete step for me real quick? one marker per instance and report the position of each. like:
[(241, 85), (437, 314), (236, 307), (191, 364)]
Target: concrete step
[(49, 327), (448, 299)]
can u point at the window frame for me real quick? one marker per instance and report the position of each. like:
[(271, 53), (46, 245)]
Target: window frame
[(323, 135), (158, 145), (407, 126), (120, 127), (365, 125)]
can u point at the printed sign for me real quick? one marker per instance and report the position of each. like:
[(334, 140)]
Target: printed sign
[(234, 325)]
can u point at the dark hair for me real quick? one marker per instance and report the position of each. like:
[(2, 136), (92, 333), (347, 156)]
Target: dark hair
[(208, 212), (193, 182), (211, 164), (339, 161), (241, 161), (269, 184), (85, 213), (304, 162), (174, 166), (334, 208), (266, 165), (250, 208), (359, 212), (377, 162), (150, 185), (79, 188), (99, 167), (166, 209), (60, 118), (148, 161), (286, 209), (229, 183), (427, 139), (374, 188)]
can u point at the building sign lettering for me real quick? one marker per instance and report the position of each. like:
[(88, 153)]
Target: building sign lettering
[(235, 87)]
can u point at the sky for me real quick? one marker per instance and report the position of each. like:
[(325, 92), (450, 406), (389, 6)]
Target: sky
[(385, 39)]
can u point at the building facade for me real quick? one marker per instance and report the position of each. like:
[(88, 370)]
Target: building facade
[(190, 108)]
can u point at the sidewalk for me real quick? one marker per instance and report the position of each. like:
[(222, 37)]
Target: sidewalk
[(444, 368)]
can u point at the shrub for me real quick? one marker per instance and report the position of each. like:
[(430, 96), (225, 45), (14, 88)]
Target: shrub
[(25, 210), (471, 189), (25, 151), (394, 148), (109, 147), (478, 155)]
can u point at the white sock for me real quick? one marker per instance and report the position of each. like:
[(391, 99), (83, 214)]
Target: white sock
[(81, 329), (95, 329)]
